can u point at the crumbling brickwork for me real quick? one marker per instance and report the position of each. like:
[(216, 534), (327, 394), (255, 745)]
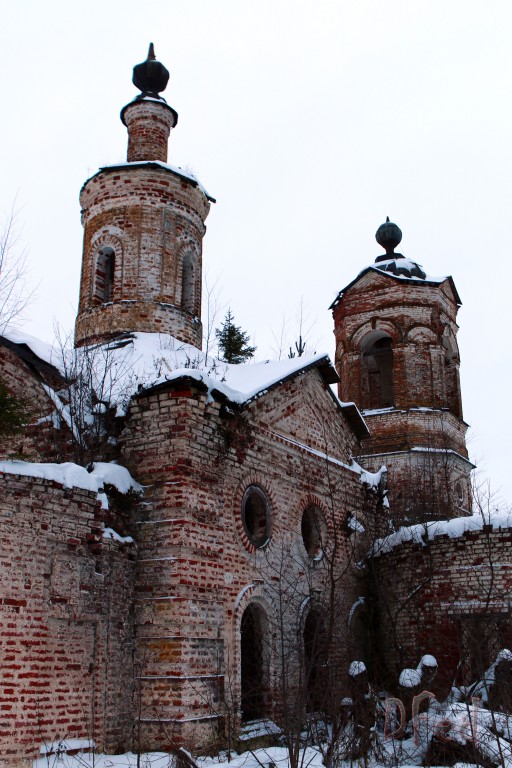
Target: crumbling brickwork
[(152, 220), (256, 522), (66, 624), (444, 598), (397, 358), (198, 570)]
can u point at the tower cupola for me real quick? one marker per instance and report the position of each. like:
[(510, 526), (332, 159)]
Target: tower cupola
[(143, 228), (148, 118)]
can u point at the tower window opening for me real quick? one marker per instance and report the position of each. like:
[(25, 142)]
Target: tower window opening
[(256, 516), (105, 273), (378, 369), (188, 285)]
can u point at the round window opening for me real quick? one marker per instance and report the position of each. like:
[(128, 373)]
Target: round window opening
[(256, 516), (313, 532)]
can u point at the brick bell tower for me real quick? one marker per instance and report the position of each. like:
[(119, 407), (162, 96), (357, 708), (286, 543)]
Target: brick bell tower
[(143, 228), (398, 360)]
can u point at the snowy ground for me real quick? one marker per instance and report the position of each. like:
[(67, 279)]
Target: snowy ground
[(257, 759), (261, 758)]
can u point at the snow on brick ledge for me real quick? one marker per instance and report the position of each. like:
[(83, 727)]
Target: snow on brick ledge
[(72, 475), (454, 529)]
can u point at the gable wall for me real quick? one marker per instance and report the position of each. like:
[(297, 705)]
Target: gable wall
[(197, 569)]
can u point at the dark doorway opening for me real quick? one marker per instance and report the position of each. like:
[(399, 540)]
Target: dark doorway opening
[(315, 656), (252, 663)]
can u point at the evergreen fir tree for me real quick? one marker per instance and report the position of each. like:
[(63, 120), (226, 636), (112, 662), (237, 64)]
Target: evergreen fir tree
[(233, 342), (13, 413)]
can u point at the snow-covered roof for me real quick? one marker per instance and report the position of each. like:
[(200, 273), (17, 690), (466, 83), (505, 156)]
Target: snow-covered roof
[(46, 352), (402, 270), (175, 169), (142, 361)]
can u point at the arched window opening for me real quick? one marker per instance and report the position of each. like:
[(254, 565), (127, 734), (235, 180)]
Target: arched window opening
[(256, 516), (104, 277), (313, 532), (252, 674), (188, 284), (378, 368), (315, 661)]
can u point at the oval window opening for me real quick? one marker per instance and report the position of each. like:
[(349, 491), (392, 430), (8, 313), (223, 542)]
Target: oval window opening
[(256, 516)]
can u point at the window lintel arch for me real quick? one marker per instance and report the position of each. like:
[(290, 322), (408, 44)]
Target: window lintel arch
[(378, 326)]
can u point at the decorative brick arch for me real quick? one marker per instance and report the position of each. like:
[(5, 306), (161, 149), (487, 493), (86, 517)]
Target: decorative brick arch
[(312, 637), (449, 344), (106, 242), (358, 630), (384, 326), (253, 597), (421, 334)]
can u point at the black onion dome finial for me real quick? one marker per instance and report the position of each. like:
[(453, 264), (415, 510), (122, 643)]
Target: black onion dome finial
[(150, 77), (388, 235)]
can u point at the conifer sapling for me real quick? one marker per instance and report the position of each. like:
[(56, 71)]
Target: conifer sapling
[(233, 342)]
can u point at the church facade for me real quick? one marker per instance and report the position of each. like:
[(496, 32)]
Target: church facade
[(192, 546)]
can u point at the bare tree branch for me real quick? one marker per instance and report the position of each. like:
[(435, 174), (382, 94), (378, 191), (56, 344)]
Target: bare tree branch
[(15, 294)]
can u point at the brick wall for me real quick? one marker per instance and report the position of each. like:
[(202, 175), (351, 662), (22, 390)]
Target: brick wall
[(428, 597), (65, 622)]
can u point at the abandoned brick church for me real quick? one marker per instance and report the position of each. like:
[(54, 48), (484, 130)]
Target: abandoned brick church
[(189, 545)]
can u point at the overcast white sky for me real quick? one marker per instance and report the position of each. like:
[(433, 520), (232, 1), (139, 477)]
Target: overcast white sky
[(310, 122)]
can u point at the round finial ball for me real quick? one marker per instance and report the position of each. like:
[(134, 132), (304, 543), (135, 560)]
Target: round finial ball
[(150, 77), (388, 235)]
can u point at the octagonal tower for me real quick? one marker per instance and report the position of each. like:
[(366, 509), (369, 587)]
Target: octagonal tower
[(398, 360), (143, 228)]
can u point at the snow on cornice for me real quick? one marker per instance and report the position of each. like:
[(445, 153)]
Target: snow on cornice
[(176, 169), (421, 533)]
